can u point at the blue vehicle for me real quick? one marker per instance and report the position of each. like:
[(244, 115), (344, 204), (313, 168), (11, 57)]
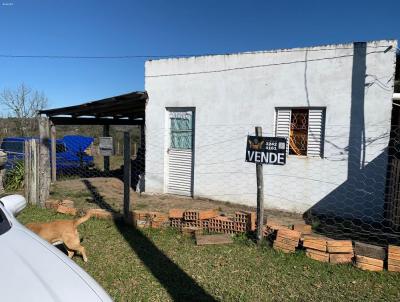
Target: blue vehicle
[(70, 151)]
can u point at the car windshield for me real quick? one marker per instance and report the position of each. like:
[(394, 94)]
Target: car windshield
[(4, 223), (12, 146)]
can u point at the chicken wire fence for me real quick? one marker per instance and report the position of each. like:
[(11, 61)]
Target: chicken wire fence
[(348, 189)]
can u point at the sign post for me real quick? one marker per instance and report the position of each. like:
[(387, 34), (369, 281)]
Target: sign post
[(260, 194), (264, 150)]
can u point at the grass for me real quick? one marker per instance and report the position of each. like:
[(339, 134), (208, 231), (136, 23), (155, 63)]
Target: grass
[(163, 265)]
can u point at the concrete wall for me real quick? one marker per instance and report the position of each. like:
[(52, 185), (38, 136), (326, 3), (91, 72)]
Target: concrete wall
[(234, 93)]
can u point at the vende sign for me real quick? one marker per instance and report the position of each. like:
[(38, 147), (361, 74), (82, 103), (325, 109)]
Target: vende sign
[(266, 150)]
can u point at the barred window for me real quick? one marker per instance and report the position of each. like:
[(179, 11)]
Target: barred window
[(298, 136), (303, 127)]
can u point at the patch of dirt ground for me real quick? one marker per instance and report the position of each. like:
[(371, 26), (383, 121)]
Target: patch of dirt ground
[(107, 192)]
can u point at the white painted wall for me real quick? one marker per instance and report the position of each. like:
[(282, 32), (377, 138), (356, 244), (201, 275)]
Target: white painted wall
[(234, 93)]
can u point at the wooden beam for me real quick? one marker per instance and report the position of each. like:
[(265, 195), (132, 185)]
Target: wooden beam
[(95, 121), (135, 98)]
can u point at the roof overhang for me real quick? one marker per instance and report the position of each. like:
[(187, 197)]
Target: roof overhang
[(126, 109)]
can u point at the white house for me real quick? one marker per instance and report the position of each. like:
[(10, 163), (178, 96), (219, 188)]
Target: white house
[(333, 102)]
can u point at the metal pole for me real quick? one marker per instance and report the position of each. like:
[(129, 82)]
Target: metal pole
[(260, 195), (127, 174), (106, 163)]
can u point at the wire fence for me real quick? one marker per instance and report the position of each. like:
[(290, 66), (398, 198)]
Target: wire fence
[(352, 190)]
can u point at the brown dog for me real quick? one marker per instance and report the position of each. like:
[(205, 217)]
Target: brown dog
[(62, 230)]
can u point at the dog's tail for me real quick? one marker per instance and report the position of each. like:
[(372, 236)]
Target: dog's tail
[(83, 218)]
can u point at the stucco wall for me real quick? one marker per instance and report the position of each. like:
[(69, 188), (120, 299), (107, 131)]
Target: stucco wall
[(234, 93)]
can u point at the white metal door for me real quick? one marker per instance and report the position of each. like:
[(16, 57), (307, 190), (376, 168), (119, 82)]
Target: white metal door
[(180, 153)]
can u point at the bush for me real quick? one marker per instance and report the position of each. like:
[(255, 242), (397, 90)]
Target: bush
[(14, 178)]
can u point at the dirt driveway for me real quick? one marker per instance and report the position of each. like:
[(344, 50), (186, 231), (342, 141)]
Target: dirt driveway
[(107, 192)]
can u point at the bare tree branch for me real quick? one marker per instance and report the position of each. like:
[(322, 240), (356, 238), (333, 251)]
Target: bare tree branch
[(23, 103)]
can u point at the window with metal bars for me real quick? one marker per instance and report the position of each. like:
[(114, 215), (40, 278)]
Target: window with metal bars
[(303, 128)]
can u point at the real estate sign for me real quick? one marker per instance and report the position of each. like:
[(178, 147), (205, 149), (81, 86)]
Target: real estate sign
[(266, 150)]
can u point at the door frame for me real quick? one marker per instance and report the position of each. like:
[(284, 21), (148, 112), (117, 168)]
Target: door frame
[(167, 143)]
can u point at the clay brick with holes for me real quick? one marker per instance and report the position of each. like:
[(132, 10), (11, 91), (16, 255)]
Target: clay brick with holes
[(204, 224), (194, 224), (216, 224), (228, 226), (176, 222), (248, 218), (240, 227), (191, 215)]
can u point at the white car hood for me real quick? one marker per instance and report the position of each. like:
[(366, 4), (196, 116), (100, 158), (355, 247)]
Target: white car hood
[(33, 270)]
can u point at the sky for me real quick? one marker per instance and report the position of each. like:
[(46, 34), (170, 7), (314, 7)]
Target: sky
[(163, 27)]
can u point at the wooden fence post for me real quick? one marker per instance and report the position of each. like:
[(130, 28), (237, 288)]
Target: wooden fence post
[(44, 161), (260, 195), (53, 153), (31, 177), (127, 175)]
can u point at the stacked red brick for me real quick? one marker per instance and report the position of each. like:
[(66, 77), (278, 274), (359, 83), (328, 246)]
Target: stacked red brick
[(316, 248), (340, 251), (393, 258), (142, 219), (286, 240), (213, 222), (369, 257)]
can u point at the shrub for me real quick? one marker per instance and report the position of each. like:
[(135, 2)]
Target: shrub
[(14, 178)]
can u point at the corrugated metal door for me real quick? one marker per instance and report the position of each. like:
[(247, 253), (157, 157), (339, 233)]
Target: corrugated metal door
[(180, 153)]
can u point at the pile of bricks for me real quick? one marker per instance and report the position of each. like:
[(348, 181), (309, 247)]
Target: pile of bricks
[(393, 258), (369, 264), (340, 251), (286, 240), (316, 248), (211, 221), (369, 257), (143, 219), (328, 250)]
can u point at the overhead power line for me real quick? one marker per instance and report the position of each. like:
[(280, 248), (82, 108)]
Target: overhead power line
[(123, 57)]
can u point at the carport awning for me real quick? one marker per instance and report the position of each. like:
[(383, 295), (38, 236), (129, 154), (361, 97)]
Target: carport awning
[(126, 109)]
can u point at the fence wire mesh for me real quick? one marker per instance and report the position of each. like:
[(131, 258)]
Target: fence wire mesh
[(351, 191)]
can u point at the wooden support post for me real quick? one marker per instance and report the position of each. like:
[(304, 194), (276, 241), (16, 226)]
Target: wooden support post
[(127, 174), (260, 196), (31, 177), (53, 153), (106, 163), (44, 161)]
